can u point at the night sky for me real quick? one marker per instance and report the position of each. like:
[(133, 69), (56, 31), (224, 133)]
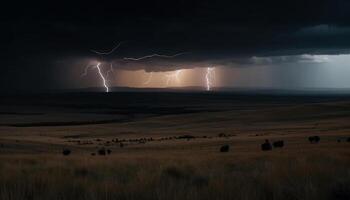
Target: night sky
[(278, 44)]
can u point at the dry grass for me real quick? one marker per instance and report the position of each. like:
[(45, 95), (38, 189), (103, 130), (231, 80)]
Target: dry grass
[(272, 175), (32, 167)]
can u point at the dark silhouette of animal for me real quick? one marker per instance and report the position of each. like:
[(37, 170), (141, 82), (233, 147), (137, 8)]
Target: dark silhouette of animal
[(188, 137), (339, 140), (278, 144), (314, 139), (121, 145), (101, 152), (115, 140), (109, 151), (348, 140), (222, 135), (93, 154), (66, 152), (225, 148), (142, 141), (266, 146)]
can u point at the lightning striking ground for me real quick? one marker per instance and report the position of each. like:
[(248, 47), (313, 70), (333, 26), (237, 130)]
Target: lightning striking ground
[(97, 66), (102, 77), (209, 77), (170, 78), (173, 76), (110, 71)]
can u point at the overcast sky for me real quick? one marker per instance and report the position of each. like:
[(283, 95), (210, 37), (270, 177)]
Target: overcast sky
[(253, 43)]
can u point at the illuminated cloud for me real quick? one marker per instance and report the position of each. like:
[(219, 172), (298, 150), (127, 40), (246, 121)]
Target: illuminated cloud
[(232, 34)]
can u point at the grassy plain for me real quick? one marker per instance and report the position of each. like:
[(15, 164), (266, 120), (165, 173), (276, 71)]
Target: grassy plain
[(35, 129)]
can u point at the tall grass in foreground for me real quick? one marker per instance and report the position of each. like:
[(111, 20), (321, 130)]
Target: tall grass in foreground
[(215, 177)]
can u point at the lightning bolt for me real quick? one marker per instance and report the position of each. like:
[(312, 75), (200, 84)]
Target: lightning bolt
[(108, 52), (210, 75), (149, 79), (173, 76), (177, 74), (111, 70), (102, 77), (155, 55), (97, 66), (169, 77), (87, 69)]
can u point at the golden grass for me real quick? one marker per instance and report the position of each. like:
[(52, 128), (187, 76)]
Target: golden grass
[(32, 167), (265, 175)]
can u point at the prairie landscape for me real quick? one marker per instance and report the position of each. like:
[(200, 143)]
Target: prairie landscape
[(175, 100), (173, 145)]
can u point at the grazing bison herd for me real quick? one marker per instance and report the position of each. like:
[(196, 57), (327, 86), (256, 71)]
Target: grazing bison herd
[(314, 139), (266, 146), (101, 152)]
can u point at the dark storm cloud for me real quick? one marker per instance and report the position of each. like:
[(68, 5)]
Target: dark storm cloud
[(35, 34)]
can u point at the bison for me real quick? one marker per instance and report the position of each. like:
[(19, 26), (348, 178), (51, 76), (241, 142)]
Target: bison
[(66, 152), (188, 137), (314, 139), (109, 151), (222, 135), (101, 152), (225, 148), (266, 146)]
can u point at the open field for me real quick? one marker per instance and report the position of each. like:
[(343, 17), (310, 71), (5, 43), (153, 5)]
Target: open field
[(166, 146)]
